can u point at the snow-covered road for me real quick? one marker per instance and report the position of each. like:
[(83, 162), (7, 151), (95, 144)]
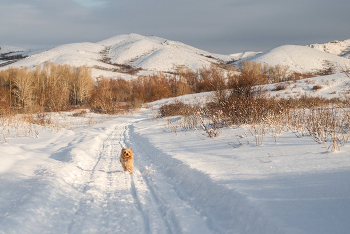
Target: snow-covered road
[(72, 182), (78, 186)]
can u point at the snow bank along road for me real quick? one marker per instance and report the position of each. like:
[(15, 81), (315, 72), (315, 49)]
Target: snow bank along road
[(72, 182)]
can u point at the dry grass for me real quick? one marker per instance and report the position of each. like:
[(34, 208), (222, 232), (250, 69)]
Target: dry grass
[(316, 87), (29, 125), (325, 121), (280, 86)]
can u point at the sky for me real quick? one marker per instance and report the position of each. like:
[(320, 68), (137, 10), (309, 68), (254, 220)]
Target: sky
[(217, 26)]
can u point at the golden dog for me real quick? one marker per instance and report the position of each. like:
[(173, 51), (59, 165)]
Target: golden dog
[(127, 159)]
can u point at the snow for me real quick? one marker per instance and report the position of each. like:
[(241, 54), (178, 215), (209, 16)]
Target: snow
[(67, 178), (70, 180), (77, 54), (244, 55), (8, 48), (152, 54), (158, 54), (301, 58), (332, 86), (340, 48)]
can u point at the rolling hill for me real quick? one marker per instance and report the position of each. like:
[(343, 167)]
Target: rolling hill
[(302, 59), (126, 56), (340, 48), (131, 55)]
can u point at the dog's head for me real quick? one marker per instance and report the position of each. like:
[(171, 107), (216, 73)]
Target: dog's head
[(127, 153)]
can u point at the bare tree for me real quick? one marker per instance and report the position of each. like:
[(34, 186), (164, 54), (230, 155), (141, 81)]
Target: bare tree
[(24, 87)]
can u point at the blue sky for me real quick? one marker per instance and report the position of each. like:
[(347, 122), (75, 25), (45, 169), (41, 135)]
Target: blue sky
[(220, 26)]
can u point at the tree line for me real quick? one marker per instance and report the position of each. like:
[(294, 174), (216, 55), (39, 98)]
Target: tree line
[(56, 87)]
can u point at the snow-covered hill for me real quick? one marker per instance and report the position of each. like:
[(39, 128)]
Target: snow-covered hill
[(4, 49), (245, 55), (127, 55), (301, 58), (340, 48), (131, 55), (12, 54)]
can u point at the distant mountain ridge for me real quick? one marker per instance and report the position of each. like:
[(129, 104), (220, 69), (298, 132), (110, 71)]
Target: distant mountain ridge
[(130, 55)]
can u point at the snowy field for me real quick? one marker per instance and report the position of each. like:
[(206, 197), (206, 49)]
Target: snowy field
[(69, 180)]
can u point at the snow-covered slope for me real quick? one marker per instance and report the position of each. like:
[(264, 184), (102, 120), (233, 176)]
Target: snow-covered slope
[(4, 49), (71, 181), (76, 54), (331, 86), (109, 57), (154, 53), (301, 58), (11, 54), (340, 48), (130, 55), (244, 55)]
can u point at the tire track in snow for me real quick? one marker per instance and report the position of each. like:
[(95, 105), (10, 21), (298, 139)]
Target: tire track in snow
[(114, 201), (105, 188), (83, 206), (191, 200), (154, 219), (177, 214), (157, 205), (138, 205)]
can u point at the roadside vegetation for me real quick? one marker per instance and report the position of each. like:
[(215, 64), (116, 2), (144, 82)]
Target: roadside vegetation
[(327, 121), (55, 87), (235, 99)]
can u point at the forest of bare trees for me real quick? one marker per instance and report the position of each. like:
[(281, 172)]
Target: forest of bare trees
[(55, 87)]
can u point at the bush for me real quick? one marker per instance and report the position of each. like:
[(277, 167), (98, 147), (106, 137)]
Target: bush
[(105, 99), (294, 76), (4, 101), (317, 87), (279, 87), (177, 108)]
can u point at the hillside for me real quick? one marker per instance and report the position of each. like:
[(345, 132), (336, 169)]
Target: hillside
[(131, 55), (127, 56), (340, 48), (301, 59)]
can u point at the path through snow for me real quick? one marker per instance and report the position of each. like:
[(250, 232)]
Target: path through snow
[(83, 189), (72, 182)]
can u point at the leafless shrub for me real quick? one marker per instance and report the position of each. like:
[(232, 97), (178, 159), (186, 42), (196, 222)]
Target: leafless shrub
[(177, 108), (105, 100), (329, 70), (280, 86), (277, 73), (80, 113), (316, 87), (295, 76), (329, 126), (346, 71), (40, 119)]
